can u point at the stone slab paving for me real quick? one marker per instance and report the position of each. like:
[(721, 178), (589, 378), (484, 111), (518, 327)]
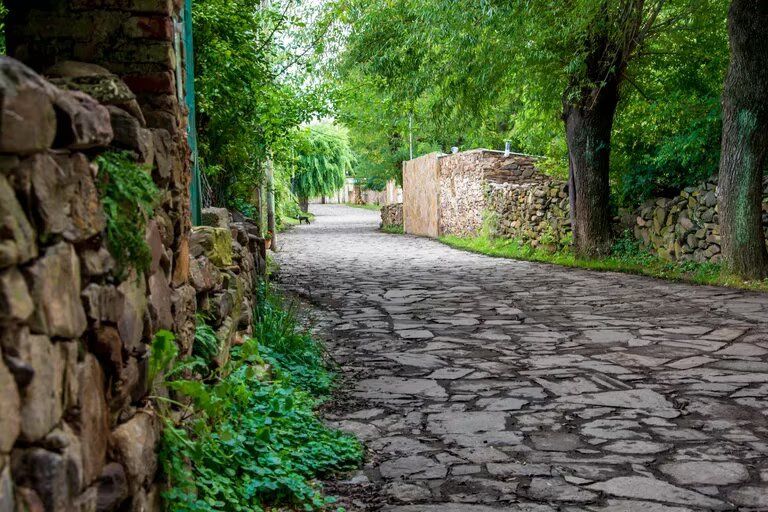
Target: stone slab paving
[(482, 384)]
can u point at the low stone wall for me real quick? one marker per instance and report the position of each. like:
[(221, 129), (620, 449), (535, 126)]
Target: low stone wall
[(77, 431), (227, 260), (392, 215), (483, 191), (421, 196), (465, 179), (681, 228), (536, 212), (685, 227)]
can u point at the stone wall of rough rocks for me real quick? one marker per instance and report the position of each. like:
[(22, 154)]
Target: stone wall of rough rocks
[(77, 431), (392, 215), (421, 196), (137, 41), (536, 211), (685, 227), (681, 228), (227, 261), (132, 38), (469, 185), (462, 192)]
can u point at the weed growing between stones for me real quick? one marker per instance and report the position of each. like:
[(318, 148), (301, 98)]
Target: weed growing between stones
[(393, 229), (129, 197), (250, 438), (206, 344), (626, 256)]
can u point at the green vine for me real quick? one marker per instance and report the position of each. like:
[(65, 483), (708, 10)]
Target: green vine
[(129, 197)]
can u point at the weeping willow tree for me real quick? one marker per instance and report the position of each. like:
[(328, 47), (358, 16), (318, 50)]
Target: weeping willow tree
[(324, 160)]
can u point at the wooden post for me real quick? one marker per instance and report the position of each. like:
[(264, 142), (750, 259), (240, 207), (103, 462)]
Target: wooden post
[(271, 225)]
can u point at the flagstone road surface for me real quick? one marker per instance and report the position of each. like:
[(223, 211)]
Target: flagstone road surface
[(482, 384)]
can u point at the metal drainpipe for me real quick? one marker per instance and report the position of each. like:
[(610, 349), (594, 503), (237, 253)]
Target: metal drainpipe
[(196, 202)]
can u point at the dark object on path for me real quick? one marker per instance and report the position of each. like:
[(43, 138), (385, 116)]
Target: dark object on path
[(303, 218)]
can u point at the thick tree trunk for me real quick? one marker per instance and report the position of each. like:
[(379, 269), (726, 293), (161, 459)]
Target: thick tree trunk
[(745, 141), (304, 204), (588, 125)]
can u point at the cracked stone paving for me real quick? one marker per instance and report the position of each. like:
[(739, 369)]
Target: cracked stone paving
[(481, 384)]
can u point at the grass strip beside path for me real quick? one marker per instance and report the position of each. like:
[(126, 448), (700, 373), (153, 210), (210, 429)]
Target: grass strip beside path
[(372, 207), (626, 257)]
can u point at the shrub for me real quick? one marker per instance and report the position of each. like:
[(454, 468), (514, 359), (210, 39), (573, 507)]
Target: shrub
[(284, 345)]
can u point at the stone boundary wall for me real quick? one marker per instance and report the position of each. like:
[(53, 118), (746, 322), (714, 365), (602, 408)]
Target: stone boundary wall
[(536, 212), (392, 215), (464, 182), (138, 41), (77, 431), (685, 227), (507, 197), (681, 228), (462, 194), (421, 196)]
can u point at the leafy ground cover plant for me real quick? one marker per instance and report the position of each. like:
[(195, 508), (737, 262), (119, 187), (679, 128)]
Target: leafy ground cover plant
[(284, 345), (626, 256), (250, 438), (128, 196)]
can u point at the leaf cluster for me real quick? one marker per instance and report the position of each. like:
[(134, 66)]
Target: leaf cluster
[(128, 196), (251, 88)]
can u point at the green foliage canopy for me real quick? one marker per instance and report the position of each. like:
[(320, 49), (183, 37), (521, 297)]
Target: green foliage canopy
[(251, 86), (477, 73)]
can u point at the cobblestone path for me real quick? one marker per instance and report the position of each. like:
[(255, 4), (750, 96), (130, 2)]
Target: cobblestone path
[(483, 384)]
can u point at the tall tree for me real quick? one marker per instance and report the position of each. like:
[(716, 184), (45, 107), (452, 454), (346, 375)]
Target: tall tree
[(324, 160), (612, 34), (745, 140), (475, 74), (251, 66)]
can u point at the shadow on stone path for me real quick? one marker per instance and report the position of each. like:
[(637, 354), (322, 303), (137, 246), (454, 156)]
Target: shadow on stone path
[(485, 384)]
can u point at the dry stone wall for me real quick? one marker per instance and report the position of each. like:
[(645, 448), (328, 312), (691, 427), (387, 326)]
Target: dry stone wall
[(392, 215), (77, 431), (524, 204), (536, 212), (504, 193), (462, 194), (73, 42), (685, 227)]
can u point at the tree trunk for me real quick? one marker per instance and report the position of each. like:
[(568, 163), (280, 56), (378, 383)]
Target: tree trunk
[(745, 141), (304, 204), (257, 202), (588, 125)]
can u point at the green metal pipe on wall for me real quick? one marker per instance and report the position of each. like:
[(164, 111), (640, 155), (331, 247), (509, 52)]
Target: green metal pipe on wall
[(196, 201)]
